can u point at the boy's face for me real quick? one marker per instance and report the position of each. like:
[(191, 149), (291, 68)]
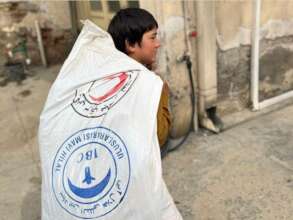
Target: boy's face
[(145, 53)]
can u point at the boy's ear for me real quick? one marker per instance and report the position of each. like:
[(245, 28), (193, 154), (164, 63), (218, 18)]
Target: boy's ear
[(129, 48)]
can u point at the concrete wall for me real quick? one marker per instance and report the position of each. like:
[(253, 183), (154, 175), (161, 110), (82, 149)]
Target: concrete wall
[(170, 17), (55, 22), (54, 19), (234, 25)]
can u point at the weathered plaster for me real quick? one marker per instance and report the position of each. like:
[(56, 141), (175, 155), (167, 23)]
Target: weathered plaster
[(272, 30), (173, 26), (169, 15), (49, 13), (54, 20), (234, 39), (276, 68), (233, 70), (234, 21), (176, 74)]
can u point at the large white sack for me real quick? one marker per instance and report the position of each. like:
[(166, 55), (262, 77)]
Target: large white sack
[(98, 139)]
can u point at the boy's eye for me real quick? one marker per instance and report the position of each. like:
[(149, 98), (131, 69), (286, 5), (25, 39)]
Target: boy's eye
[(153, 37)]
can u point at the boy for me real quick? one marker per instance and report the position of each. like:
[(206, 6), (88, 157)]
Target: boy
[(99, 154), (134, 32)]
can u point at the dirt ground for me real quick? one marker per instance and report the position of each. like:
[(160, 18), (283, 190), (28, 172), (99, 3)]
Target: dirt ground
[(243, 173)]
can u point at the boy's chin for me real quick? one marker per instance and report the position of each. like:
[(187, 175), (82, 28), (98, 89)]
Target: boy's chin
[(152, 66)]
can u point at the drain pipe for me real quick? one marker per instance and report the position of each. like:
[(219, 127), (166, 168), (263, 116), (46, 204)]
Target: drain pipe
[(255, 56), (207, 69)]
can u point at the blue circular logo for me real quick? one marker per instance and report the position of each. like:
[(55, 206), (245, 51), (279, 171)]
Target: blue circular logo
[(91, 172)]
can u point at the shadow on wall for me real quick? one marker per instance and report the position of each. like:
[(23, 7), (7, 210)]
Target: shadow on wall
[(276, 71), (31, 204), (233, 69)]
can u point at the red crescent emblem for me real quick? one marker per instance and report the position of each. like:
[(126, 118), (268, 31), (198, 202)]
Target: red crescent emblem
[(122, 79)]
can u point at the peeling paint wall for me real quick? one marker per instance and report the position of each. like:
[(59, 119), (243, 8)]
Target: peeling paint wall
[(54, 20), (276, 67), (170, 17), (233, 72), (234, 24)]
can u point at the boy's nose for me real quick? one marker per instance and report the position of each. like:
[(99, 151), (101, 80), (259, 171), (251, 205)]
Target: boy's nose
[(158, 44)]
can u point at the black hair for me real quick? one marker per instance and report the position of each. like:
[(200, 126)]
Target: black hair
[(129, 25)]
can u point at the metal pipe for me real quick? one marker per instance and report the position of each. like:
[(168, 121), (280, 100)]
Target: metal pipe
[(206, 56), (40, 43), (275, 100), (255, 67), (255, 56)]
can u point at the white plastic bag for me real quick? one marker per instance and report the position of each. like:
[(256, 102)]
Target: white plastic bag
[(98, 139)]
